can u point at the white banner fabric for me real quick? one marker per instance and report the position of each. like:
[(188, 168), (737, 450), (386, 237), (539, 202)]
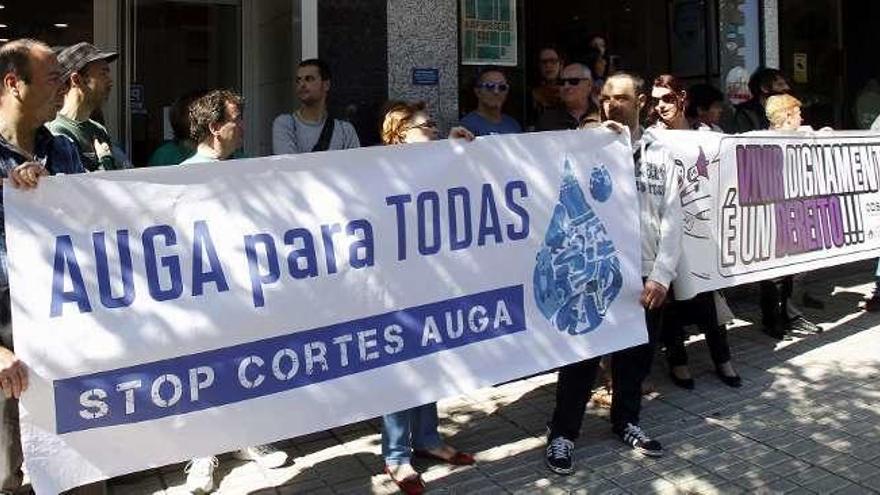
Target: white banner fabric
[(763, 205), (186, 311)]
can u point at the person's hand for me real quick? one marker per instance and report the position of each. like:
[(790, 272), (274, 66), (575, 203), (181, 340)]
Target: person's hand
[(103, 150), (459, 132), (653, 295), (26, 175), (13, 374), (614, 126)]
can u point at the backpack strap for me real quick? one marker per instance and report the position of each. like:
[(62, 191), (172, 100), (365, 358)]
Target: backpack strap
[(323, 143)]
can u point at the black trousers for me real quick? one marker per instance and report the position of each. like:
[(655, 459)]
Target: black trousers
[(629, 368), (775, 294), (700, 311)]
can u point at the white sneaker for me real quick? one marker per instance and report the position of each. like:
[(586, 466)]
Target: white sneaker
[(200, 474), (267, 456)]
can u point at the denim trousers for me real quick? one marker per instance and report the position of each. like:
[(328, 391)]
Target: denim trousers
[(410, 429)]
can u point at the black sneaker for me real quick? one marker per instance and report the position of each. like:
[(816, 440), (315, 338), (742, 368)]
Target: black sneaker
[(559, 455), (801, 324), (636, 438)]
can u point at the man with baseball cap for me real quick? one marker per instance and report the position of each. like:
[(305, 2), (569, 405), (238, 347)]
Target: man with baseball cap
[(85, 70)]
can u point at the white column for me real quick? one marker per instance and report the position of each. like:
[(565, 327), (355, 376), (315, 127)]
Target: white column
[(309, 17), (107, 36), (771, 33)]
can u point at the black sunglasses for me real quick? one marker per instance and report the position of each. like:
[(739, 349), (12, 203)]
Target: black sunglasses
[(667, 98), (570, 81)]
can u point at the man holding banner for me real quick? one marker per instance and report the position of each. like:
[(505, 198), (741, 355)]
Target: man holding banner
[(622, 99), (216, 123), (29, 97)]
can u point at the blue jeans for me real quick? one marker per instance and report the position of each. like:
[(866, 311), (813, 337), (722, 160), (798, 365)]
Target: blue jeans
[(410, 429)]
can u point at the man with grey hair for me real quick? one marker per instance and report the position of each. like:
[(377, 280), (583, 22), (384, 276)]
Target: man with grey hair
[(578, 108)]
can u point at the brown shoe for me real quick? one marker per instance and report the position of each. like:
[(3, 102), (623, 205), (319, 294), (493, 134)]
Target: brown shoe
[(411, 485)]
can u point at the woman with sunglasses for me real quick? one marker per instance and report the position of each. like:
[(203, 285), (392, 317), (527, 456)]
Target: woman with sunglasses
[(414, 431), (491, 89), (669, 100)]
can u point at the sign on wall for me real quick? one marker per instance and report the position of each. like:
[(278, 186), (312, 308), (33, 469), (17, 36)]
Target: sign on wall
[(488, 32)]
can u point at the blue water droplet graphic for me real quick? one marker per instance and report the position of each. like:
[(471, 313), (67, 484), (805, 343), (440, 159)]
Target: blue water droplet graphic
[(600, 184), (577, 274)]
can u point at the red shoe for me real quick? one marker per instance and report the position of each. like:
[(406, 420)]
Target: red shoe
[(458, 459), (411, 485)]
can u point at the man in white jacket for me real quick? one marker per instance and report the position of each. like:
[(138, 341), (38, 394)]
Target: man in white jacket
[(622, 99)]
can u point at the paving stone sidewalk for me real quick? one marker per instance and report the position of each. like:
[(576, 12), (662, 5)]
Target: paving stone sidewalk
[(806, 420)]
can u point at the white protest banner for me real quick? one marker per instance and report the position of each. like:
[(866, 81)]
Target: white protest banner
[(179, 312), (763, 205)]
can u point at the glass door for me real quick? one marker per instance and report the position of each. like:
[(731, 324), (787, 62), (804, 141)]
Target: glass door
[(171, 48), (810, 50)]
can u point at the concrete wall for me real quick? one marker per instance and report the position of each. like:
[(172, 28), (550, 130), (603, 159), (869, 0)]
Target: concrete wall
[(424, 35)]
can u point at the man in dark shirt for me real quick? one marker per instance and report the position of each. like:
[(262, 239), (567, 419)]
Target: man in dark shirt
[(85, 72), (763, 84), (29, 97), (578, 109), (778, 316)]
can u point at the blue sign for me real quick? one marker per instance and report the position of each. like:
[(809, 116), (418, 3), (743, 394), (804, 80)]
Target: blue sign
[(426, 77), (137, 99), (224, 376)]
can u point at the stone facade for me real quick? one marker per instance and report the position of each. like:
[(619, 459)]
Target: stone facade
[(424, 35)]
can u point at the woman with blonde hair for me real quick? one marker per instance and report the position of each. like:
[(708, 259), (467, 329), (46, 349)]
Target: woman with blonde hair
[(414, 431), (784, 112), (407, 122), (778, 315)]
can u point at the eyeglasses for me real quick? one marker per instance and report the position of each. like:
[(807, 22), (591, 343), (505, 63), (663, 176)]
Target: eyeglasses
[(428, 124), (570, 81), (494, 87)]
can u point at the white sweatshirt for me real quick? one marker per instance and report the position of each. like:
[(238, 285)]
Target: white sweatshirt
[(660, 212)]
